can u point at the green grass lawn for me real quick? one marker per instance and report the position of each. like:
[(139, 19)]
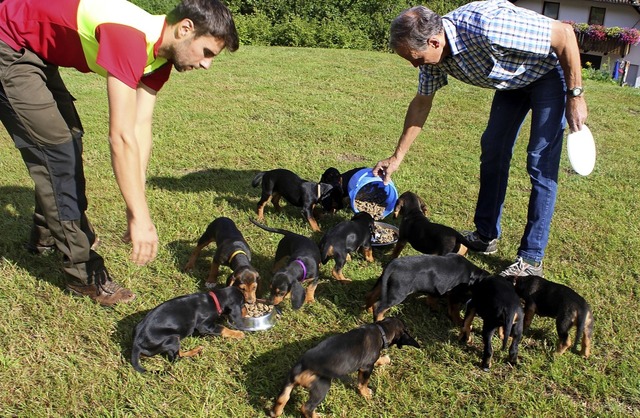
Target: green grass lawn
[(305, 110)]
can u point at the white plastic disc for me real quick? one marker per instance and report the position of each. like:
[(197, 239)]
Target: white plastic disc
[(581, 149)]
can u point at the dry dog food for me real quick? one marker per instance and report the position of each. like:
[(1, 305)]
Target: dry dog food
[(257, 309), (384, 235), (371, 199)]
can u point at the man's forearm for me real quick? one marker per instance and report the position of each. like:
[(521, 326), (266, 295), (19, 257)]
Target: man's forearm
[(414, 120), (128, 170)]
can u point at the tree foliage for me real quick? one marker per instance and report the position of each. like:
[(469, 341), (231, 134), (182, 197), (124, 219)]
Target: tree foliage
[(351, 24)]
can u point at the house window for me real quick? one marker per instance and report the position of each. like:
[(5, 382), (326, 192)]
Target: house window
[(596, 16), (551, 9)]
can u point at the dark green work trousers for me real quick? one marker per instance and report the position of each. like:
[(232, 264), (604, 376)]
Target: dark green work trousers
[(39, 114)]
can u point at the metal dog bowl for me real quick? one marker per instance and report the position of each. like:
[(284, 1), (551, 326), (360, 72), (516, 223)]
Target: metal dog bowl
[(377, 235), (258, 323)]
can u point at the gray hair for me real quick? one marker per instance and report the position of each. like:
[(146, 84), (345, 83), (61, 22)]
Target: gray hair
[(413, 28)]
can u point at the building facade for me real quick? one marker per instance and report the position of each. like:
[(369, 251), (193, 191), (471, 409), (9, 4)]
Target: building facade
[(622, 60)]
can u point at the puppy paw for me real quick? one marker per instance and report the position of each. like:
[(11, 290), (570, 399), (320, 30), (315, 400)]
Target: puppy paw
[(229, 333), (190, 353), (464, 338), (383, 360), (366, 392)]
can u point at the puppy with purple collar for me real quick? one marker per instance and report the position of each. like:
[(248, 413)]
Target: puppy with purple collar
[(297, 260)]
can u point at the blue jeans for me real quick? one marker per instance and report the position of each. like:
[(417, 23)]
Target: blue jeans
[(546, 99)]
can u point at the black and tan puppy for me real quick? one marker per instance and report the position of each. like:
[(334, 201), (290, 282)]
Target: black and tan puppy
[(434, 275), (423, 235), (231, 250), (161, 330), (498, 304), (339, 355), (282, 183), (335, 201), (346, 237), (555, 300), (297, 260)]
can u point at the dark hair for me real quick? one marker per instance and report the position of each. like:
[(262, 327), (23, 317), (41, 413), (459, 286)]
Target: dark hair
[(413, 28), (210, 17)]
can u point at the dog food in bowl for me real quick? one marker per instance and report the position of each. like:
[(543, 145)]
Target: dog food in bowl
[(257, 309), (384, 234), (260, 316)]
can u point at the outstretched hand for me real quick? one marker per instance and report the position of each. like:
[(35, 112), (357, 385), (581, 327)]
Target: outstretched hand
[(144, 241), (384, 168)]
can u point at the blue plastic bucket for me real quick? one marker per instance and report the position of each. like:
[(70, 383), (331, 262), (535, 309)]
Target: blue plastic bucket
[(365, 177)]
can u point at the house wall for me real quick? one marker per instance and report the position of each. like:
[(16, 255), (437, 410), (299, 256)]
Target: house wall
[(623, 16)]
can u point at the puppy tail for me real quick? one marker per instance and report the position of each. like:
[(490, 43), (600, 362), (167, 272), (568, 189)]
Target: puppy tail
[(257, 179), (581, 324), (374, 294), (135, 359), (266, 228), (510, 319)]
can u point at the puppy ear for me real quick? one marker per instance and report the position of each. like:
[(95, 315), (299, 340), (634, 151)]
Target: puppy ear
[(406, 339), (325, 188), (423, 206), (297, 295), (398, 208)]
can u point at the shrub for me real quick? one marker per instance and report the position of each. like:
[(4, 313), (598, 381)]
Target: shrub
[(254, 29), (602, 74), (338, 34), (294, 31), (156, 7)]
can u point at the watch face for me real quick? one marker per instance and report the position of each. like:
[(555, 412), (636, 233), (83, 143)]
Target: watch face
[(576, 91)]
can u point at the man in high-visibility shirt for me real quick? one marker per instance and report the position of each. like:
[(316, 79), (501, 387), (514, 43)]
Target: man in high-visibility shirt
[(134, 51)]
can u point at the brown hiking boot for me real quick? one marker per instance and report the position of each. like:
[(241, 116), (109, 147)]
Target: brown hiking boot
[(107, 294)]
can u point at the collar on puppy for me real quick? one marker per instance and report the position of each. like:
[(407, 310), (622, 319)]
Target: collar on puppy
[(235, 253), (304, 270), (385, 343), (215, 300)]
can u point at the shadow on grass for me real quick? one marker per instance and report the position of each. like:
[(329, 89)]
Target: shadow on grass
[(124, 332), (235, 188), (495, 264), (231, 184), (266, 374), (221, 180), (16, 212)]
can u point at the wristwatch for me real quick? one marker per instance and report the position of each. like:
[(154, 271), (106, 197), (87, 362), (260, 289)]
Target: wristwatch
[(575, 92)]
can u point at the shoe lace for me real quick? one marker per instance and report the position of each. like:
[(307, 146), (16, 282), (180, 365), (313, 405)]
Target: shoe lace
[(110, 287), (516, 268)]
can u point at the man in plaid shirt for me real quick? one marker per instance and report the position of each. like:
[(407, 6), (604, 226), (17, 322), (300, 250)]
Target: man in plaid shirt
[(533, 63)]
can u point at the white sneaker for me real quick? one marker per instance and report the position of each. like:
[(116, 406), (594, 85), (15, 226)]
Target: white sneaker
[(522, 268)]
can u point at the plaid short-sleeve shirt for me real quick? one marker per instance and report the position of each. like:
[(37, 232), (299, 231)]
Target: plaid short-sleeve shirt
[(494, 44)]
